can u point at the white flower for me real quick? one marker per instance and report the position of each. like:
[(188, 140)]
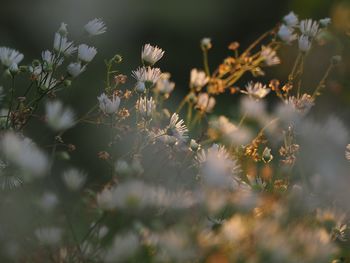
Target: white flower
[(62, 45), (270, 57), (95, 27), (74, 179), (253, 108), (347, 152), (86, 53), (286, 34), (9, 56), (151, 54), (58, 117), (291, 19), (309, 28), (23, 153), (49, 235), (257, 90), (147, 75), (145, 107), (304, 43), (206, 43), (302, 104), (108, 105), (164, 86), (198, 79), (177, 128), (205, 103), (217, 168), (63, 31), (75, 69), (325, 21), (50, 58)]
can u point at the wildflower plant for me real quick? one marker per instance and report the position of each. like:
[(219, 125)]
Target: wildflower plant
[(182, 184)]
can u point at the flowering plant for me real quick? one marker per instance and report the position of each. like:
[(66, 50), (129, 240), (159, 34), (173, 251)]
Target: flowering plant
[(183, 184)]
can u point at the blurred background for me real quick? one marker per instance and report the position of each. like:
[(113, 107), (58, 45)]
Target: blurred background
[(177, 27)]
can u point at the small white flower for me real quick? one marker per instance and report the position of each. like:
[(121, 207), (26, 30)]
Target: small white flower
[(270, 56), (108, 105), (164, 85), (216, 166), (24, 154), (86, 53), (9, 56), (75, 69), (74, 179), (325, 22), (151, 54), (309, 28), (303, 104), (291, 19), (257, 90), (286, 34), (198, 79), (62, 45), (206, 43), (177, 128), (304, 43), (347, 152), (58, 117), (50, 58), (63, 31), (147, 75), (145, 107), (123, 247), (205, 103), (95, 27), (14, 68), (49, 235)]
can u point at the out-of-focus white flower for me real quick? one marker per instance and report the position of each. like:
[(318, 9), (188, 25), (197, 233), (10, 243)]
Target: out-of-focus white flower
[(253, 108), (177, 128), (58, 117), (234, 229), (95, 27), (217, 168), (325, 21), (49, 236), (14, 68), (86, 53), (291, 19), (105, 200), (304, 43), (205, 103), (303, 104), (63, 46), (63, 31), (50, 58), (164, 85), (309, 28), (198, 79), (74, 179), (257, 90), (145, 107), (75, 69), (48, 201), (206, 43), (123, 247), (286, 34), (23, 153), (270, 56), (9, 56), (151, 54), (147, 75), (108, 105), (122, 167), (347, 152)]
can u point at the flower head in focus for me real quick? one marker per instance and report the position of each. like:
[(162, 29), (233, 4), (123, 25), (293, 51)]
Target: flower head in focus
[(309, 28), (75, 69), (257, 90), (86, 53), (108, 105), (151, 54), (9, 56), (62, 46), (177, 128), (95, 27), (147, 75)]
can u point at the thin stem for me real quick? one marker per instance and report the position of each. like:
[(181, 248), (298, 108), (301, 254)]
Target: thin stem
[(205, 62), (322, 82), (11, 100)]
